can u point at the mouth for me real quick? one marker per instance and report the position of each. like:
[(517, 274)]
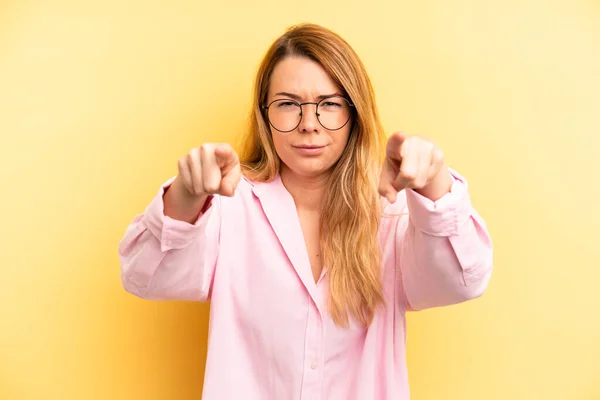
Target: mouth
[(308, 146), (309, 149)]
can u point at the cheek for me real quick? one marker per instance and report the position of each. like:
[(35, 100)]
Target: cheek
[(283, 149), (341, 142), (280, 145)]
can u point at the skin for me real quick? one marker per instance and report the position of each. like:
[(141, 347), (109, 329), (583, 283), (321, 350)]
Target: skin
[(411, 161), (305, 176)]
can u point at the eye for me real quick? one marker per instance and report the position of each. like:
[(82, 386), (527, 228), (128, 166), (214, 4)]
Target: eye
[(286, 104), (331, 105)]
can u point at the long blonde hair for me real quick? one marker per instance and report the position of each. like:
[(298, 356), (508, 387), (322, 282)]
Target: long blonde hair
[(351, 208)]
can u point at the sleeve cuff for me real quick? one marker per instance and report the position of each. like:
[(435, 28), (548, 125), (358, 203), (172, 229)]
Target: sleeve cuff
[(445, 216), (172, 233)]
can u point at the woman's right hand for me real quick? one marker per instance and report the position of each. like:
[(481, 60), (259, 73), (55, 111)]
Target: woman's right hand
[(213, 168)]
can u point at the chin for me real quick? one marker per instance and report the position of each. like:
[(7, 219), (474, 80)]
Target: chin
[(308, 168)]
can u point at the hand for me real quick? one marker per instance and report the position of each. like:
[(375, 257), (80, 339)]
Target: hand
[(210, 169), (413, 162)]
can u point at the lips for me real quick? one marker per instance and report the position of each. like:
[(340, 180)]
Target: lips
[(309, 150), (308, 146)]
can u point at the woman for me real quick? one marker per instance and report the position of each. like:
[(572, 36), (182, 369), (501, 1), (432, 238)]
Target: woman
[(314, 243)]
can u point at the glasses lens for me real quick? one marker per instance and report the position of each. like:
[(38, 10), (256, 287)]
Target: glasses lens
[(284, 115), (333, 112)]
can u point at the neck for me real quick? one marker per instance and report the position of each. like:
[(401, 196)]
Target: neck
[(307, 191)]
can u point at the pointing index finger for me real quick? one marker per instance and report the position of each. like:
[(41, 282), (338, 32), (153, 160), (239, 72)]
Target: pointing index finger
[(225, 155)]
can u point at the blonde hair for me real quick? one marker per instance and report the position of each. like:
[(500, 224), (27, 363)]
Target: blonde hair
[(351, 208)]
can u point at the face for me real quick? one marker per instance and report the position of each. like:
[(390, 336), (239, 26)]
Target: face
[(310, 149)]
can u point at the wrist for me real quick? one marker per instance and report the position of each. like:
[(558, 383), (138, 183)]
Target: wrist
[(439, 185), (182, 205)]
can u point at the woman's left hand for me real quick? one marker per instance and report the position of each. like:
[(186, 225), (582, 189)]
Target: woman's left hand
[(415, 163)]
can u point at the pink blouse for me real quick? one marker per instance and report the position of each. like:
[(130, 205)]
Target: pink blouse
[(271, 335)]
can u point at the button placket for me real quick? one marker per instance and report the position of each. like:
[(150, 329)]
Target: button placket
[(313, 373)]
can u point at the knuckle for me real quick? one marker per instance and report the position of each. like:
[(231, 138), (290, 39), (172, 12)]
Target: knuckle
[(192, 156), (190, 163), (206, 148), (203, 149), (408, 175), (211, 188), (420, 183)]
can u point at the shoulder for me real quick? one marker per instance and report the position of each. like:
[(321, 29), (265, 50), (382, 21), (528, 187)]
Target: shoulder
[(248, 190), (246, 185)]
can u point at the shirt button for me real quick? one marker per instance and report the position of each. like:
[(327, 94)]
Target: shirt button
[(313, 365)]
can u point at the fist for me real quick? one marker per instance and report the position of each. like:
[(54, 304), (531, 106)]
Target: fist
[(210, 169), (416, 163)]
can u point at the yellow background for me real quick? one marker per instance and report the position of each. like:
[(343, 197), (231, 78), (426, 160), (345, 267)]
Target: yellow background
[(99, 98)]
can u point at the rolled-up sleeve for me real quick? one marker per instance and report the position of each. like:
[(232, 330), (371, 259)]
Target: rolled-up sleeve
[(443, 249), (167, 259)]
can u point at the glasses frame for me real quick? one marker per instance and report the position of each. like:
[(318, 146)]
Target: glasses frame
[(350, 104)]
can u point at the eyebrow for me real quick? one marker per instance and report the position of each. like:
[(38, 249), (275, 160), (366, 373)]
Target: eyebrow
[(296, 97)]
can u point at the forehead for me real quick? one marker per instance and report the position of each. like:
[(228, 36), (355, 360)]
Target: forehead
[(301, 76)]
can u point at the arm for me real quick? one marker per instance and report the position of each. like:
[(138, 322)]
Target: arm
[(163, 258), (443, 249)]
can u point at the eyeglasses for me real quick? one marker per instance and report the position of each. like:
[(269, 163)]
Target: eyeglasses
[(285, 115)]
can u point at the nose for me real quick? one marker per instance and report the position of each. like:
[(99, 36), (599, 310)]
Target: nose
[(309, 122)]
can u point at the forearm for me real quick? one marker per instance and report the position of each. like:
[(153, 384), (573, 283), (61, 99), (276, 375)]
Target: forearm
[(444, 270), (166, 258), (444, 250)]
